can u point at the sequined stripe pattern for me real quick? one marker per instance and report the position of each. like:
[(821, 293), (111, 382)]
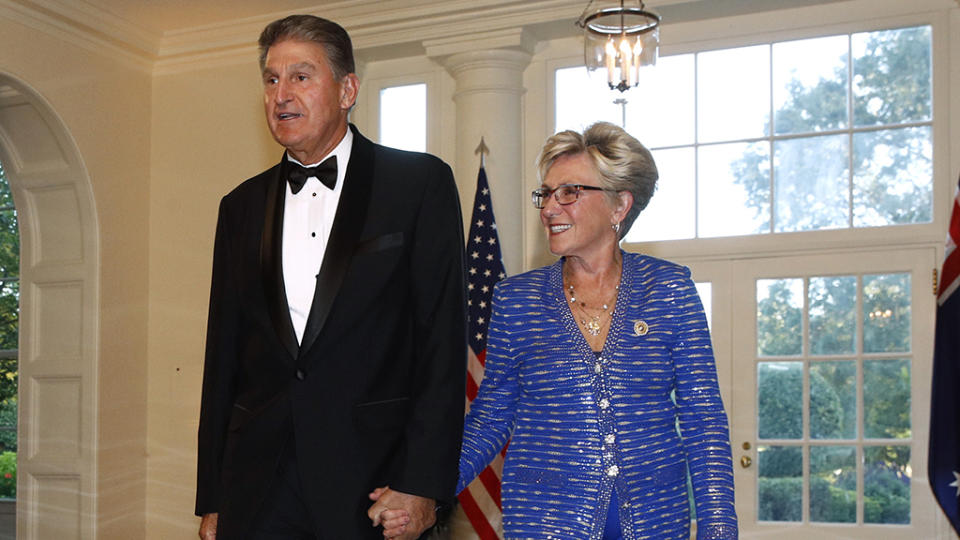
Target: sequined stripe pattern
[(582, 427)]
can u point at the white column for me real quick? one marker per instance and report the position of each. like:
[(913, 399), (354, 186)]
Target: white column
[(489, 104)]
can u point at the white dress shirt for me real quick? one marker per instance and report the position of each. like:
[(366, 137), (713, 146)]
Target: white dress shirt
[(307, 220)]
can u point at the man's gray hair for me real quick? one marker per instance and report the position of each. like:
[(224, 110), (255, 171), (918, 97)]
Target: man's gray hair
[(328, 34)]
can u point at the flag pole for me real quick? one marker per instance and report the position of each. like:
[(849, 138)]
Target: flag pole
[(483, 151)]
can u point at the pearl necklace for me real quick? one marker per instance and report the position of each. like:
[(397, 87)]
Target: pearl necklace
[(594, 323)]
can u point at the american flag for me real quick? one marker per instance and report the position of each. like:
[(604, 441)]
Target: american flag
[(481, 499), (944, 458)]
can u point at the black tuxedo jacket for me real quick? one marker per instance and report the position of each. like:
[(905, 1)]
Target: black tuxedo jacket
[(374, 394)]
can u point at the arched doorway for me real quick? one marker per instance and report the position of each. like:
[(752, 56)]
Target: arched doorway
[(56, 462)]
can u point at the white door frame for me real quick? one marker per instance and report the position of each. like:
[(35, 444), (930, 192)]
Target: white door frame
[(59, 297)]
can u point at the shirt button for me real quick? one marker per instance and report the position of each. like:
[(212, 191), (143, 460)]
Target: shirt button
[(613, 470), (610, 439), (604, 403), (597, 368), (301, 375), (313, 234), (314, 194)]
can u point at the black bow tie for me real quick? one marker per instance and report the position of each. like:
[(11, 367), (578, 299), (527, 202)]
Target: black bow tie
[(297, 174)]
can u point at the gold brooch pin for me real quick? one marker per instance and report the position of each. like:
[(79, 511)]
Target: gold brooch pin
[(640, 328)]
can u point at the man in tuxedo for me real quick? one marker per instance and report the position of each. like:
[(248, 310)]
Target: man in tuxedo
[(336, 339)]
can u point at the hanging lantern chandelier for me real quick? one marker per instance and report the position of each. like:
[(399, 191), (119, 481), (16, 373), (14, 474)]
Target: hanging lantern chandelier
[(620, 40)]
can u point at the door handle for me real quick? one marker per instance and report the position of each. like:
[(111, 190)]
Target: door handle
[(745, 461)]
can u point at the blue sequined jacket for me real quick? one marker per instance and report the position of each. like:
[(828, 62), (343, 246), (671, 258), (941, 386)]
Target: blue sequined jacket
[(580, 426)]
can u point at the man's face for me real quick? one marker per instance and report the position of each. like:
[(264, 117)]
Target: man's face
[(306, 105)]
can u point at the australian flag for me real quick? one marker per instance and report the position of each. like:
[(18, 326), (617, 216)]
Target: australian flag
[(944, 459)]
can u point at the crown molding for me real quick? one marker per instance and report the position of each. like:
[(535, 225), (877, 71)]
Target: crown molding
[(88, 27), (380, 30), (510, 38)]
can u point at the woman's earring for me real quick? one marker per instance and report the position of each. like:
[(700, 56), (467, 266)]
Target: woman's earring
[(616, 227)]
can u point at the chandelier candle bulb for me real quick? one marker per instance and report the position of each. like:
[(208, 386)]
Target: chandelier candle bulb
[(611, 57), (626, 70), (620, 39)]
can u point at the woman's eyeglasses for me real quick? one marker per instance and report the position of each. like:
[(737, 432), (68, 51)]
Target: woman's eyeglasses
[(564, 194)]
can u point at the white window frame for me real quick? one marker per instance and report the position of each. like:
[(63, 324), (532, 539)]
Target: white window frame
[(380, 75), (805, 23)]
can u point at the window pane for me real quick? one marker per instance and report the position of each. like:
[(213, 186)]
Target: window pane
[(9, 326), (886, 313), (833, 400), (780, 483), (779, 317), (893, 177), (583, 98), (833, 484), (705, 291), (660, 110), (6, 198), (733, 94), (779, 397), (670, 214), (8, 413), (403, 117), (810, 84), (833, 308), (886, 399), (891, 76), (733, 189), (811, 183), (886, 484), (9, 316), (9, 242)]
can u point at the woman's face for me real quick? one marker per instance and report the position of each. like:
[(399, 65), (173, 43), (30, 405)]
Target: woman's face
[(584, 227)]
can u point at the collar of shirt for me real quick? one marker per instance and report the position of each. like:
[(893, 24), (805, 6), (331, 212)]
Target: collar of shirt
[(342, 151)]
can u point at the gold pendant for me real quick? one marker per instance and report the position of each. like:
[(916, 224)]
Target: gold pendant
[(592, 326)]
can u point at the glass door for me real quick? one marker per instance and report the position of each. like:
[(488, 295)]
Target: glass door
[(830, 379)]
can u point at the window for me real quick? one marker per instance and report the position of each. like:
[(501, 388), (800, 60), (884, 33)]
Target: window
[(403, 117), (809, 355), (824, 133), (9, 323)]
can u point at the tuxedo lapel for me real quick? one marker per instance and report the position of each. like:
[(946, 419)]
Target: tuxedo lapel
[(347, 225), (271, 262)]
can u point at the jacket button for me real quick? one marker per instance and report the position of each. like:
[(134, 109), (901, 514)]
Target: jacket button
[(301, 375)]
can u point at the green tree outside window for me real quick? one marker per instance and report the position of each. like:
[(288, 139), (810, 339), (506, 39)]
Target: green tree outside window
[(9, 323)]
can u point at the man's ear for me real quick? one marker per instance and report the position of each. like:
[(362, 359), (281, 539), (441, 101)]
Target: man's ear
[(349, 88)]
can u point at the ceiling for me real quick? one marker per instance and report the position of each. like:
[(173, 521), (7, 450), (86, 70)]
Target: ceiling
[(159, 17), (158, 34), (162, 16)]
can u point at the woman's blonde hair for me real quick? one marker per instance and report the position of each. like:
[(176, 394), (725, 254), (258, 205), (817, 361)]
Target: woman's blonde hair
[(622, 162)]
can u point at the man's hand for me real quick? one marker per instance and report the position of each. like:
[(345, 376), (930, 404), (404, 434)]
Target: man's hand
[(208, 527), (402, 515)]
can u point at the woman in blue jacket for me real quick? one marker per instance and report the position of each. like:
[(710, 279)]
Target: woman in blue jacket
[(593, 362)]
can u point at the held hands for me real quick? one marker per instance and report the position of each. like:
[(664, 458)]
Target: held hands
[(402, 515)]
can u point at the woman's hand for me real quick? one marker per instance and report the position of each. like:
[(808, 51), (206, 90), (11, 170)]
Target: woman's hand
[(393, 520)]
